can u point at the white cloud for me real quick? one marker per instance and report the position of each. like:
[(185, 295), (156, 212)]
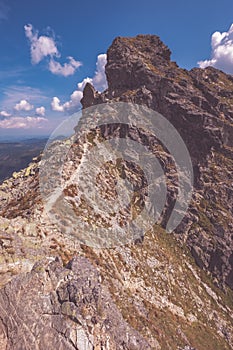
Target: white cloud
[(41, 46), (45, 46), (23, 122), (66, 69), (14, 93), (5, 114), (98, 81), (222, 52), (23, 105), (73, 103), (82, 84), (75, 98), (56, 105), (40, 111)]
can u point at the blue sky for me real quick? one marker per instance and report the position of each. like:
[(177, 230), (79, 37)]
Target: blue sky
[(48, 47)]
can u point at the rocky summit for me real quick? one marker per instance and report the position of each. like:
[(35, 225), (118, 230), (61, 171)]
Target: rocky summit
[(64, 288)]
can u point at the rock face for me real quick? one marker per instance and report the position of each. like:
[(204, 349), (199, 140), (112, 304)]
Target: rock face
[(199, 104), (159, 291), (59, 310)]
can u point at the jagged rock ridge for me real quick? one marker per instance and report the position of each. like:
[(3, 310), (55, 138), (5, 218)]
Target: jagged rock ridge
[(199, 104), (148, 294)]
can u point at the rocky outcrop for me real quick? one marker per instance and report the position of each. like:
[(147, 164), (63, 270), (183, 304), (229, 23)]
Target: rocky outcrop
[(139, 70), (63, 308), (143, 296), (199, 104)]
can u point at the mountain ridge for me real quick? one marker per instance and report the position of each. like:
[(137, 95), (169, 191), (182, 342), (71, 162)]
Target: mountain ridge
[(201, 112), (151, 289)]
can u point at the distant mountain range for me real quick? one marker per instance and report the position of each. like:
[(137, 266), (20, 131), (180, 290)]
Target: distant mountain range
[(15, 155)]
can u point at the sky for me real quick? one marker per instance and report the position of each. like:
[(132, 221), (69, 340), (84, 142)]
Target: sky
[(50, 49)]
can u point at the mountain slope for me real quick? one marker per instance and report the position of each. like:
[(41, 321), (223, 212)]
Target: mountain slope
[(17, 155), (148, 293), (199, 104)]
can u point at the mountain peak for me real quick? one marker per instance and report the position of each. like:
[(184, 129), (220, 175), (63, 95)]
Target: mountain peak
[(127, 57), (198, 103)]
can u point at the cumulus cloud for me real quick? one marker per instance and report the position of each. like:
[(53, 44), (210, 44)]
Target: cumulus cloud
[(41, 46), (98, 81), (66, 69), (40, 111), (23, 105), (222, 52), (14, 93), (15, 121), (56, 105), (74, 101), (23, 122), (44, 46), (5, 114)]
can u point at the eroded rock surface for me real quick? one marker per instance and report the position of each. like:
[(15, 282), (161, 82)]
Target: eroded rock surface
[(199, 104), (63, 308)]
